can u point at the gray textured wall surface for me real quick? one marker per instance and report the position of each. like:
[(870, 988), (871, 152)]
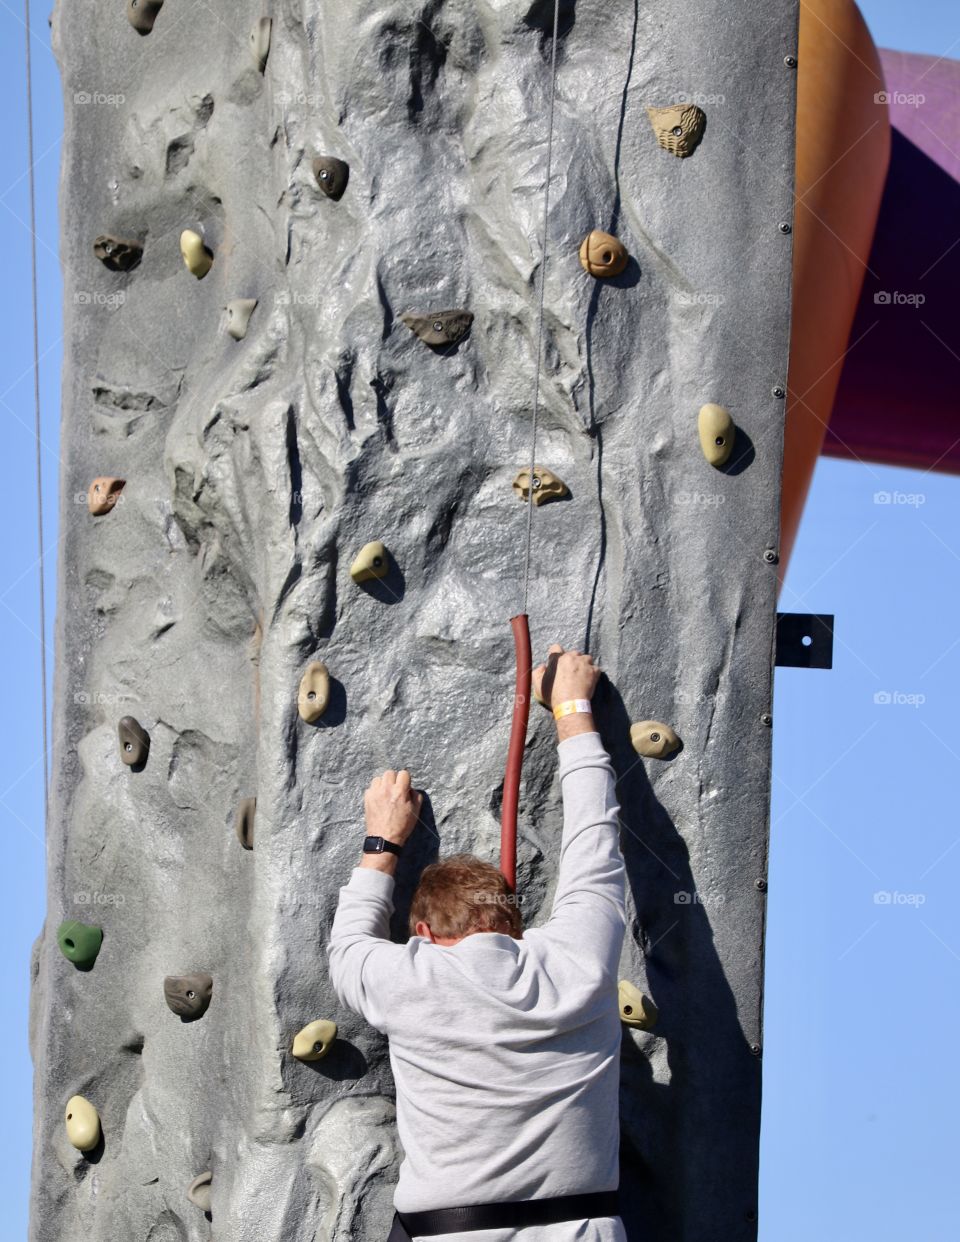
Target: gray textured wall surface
[(255, 471)]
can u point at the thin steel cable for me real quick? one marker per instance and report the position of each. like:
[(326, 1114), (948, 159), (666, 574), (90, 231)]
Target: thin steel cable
[(36, 406), (543, 278)]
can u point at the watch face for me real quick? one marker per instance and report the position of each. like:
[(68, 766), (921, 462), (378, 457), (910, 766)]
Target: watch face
[(373, 845)]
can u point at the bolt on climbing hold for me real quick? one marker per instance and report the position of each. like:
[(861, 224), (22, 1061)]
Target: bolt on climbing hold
[(196, 254), (790, 62), (238, 316), (636, 1009), (188, 995), (678, 127), (770, 556), (372, 561), (134, 741), (332, 175), (313, 697), (766, 719), (243, 825), (200, 1191), (785, 227), (653, 739), (603, 255), (760, 885), (83, 1123), (79, 942), (260, 41), (546, 485), (778, 391), (445, 327), (141, 14), (314, 1041), (117, 253), (103, 493), (717, 433)]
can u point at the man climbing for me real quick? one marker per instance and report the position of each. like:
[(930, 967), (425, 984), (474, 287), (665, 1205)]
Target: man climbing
[(504, 1043)]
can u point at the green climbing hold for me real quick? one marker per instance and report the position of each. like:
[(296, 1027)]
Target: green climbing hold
[(79, 942)]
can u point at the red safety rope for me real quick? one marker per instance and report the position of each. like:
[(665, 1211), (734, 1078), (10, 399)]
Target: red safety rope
[(518, 737)]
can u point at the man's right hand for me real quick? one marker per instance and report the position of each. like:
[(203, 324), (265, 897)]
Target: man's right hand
[(566, 675)]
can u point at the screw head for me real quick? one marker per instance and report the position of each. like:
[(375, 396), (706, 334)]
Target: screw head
[(770, 556), (318, 1046), (755, 1049), (377, 562), (784, 227), (536, 482), (324, 174), (654, 737), (438, 325), (778, 391), (311, 695), (766, 718), (128, 746), (761, 885), (677, 131), (790, 62), (190, 993)]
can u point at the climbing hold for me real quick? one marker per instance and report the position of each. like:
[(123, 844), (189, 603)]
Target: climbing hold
[(83, 1123), (439, 327), (635, 1008), (134, 741), (238, 316), (79, 942), (246, 812), (141, 14), (679, 128), (197, 256), (717, 433), (332, 175), (603, 255), (372, 562), (188, 995), (116, 253), (313, 698), (199, 1191), (546, 485), (314, 1041), (102, 494), (260, 41), (653, 739)]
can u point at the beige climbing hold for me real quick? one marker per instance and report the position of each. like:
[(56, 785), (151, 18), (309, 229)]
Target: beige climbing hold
[(679, 127), (717, 433), (141, 14), (603, 255), (314, 1041), (372, 562), (635, 1008), (200, 1191), (246, 814), (653, 739), (260, 41), (196, 255), (83, 1123), (546, 485), (103, 493), (238, 316), (313, 698), (117, 253), (444, 327)]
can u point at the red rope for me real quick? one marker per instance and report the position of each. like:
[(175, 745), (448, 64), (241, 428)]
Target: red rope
[(518, 737)]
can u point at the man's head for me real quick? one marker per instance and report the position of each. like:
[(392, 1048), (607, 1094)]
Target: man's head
[(461, 895)]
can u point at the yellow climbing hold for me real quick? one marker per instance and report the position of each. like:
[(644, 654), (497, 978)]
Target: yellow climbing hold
[(603, 255), (314, 1041), (103, 494), (635, 1008), (314, 696), (83, 1123), (197, 256), (200, 1191), (653, 739), (717, 433), (546, 485), (372, 562)]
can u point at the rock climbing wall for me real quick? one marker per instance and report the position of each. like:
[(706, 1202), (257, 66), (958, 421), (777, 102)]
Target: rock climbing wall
[(251, 202)]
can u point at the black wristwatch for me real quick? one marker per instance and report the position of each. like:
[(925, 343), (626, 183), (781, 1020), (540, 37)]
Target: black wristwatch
[(377, 845)]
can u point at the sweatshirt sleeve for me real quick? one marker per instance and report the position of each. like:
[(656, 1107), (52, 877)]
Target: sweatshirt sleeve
[(365, 964), (589, 913)]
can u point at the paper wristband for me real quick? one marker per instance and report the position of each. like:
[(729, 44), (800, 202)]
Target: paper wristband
[(570, 706)]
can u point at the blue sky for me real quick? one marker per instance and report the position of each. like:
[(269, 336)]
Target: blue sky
[(860, 1094)]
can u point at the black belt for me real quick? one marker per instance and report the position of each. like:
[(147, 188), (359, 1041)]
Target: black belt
[(508, 1215)]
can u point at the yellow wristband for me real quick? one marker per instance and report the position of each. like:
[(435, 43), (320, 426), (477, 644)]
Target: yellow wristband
[(570, 706)]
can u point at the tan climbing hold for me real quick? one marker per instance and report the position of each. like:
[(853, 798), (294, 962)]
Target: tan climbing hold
[(83, 1123), (314, 1041), (117, 253), (444, 327), (188, 995), (246, 814), (653, 739), (313, 698), (717, 433), (679, 127), (603, 255), (238, 316), (103, 493), (372, 562), (196, 254), (636, 1009), (200, 1191), (546, 485), (141, 14), (260, 41)]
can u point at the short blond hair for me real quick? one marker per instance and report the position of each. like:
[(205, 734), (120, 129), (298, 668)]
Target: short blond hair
[(463, 894)]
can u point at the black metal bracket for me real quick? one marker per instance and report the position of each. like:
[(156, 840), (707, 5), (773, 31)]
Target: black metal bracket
[(804, 640)]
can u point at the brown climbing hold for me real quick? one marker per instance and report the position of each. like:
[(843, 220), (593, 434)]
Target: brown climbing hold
[(246, 813), (141, 14), (83, 1123), (314, 1041), (444, 327), (603, 255), (134, 741), (196, 254), (188, 995), (653, 739), (313, 698), (636, 1009), (260, 41), (546, 485), (238, 316), (117, 253), (332, 175), (679, 127), (717, 433), (103, 493), (199, 1192), (372, 561)]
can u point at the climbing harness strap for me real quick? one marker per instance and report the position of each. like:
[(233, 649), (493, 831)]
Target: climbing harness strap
[(515, 1215)]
